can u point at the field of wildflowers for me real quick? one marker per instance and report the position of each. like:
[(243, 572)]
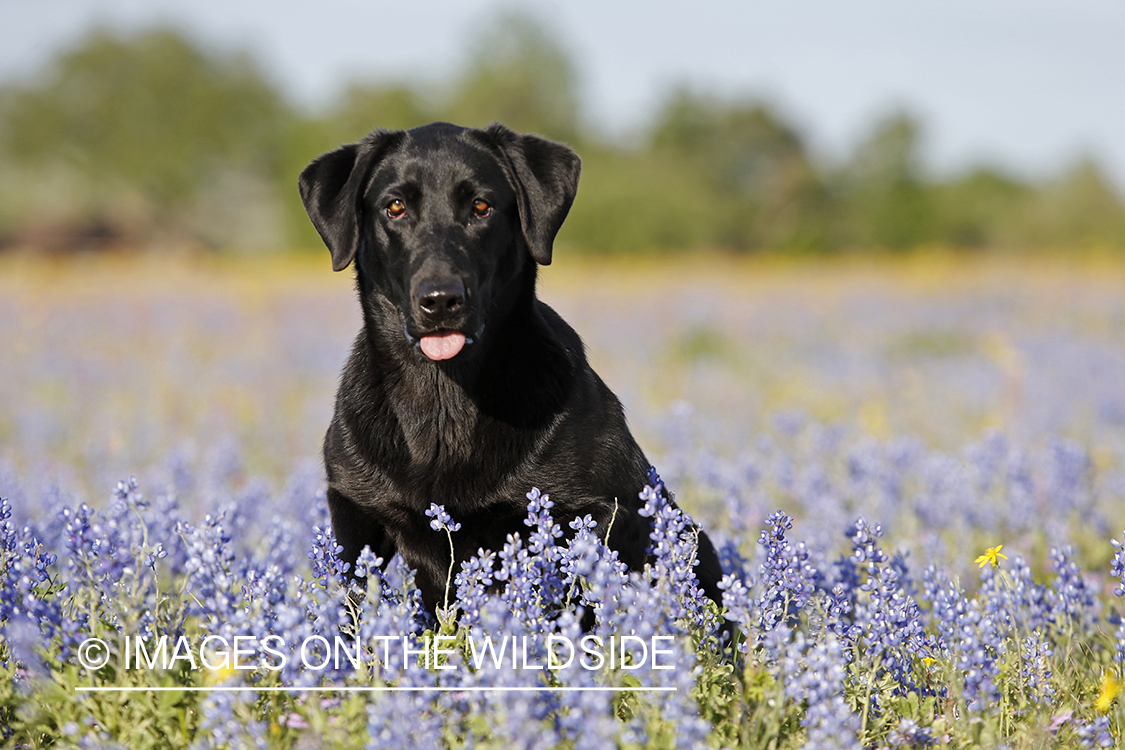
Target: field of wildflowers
[(914, 474)]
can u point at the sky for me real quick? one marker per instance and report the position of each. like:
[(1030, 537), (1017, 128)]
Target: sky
[(1029, 86)]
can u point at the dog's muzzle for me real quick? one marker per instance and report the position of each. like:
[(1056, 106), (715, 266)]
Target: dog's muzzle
[(440, 307)]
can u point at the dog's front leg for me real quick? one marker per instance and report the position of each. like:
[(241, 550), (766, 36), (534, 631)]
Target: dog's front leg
[(355, 530)]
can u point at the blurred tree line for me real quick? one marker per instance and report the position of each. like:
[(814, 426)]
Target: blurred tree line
[(148, 139)]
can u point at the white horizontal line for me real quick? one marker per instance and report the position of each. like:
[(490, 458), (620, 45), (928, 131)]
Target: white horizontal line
[(360, 689)]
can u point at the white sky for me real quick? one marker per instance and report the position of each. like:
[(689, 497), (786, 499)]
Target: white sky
[(1026, 84)]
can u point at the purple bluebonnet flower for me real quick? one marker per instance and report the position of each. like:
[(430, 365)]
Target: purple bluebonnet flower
[(739, 605), (473, 583), (887, 621), (1095, 734), (1068, 476), (674, 545), (1117, 565), (1035, 668), (977, 650), (1072, 601), (210, 569), (945, 599), (1030, 607), (226, 726), (326, 564), (543, 548), (442, 521), (814, 672), (787, 579), (32, 596), (368, 563), (908, 734), (1117, 570), (387, 729), (599, 576)]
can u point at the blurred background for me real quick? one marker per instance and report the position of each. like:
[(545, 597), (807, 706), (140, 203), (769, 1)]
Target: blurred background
[(803, 229), (804, 127)]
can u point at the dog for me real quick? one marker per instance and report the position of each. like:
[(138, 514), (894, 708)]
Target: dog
[(463, 388)]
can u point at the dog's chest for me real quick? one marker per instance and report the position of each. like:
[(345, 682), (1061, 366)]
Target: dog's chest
[(438, 421)]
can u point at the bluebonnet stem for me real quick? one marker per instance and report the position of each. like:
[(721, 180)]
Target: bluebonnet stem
[(83, 544), (576, 559), (844, 587), (866, 551), (839, 608), (519, 591), (31, 607), (946, 600), (532, 580), (442, 521)]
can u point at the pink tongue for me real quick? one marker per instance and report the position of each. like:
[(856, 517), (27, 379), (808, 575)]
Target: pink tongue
[(438, 346)]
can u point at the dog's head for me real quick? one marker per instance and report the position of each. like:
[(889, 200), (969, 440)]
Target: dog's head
[(442, 219)]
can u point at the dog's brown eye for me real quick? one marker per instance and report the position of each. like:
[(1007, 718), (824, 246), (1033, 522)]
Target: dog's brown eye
[(481, 209), (395, 209)]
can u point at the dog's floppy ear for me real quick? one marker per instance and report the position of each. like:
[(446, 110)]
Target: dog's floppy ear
[(331, 187), (545, 177)]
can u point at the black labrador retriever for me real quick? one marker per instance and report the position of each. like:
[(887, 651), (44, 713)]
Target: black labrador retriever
[(462, 388)]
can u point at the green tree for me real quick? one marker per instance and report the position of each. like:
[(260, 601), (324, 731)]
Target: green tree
[(978, 210), (758, 175), (149, 118), (1079, 208), (886, 202)]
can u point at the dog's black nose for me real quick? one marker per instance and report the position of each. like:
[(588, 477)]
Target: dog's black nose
[(441, 300)]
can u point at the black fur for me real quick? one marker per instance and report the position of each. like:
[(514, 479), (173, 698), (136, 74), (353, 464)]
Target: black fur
[(518, 407)]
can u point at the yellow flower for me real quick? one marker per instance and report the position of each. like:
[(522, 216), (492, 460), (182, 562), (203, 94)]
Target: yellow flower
[(991, 555), (1111, 688)]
